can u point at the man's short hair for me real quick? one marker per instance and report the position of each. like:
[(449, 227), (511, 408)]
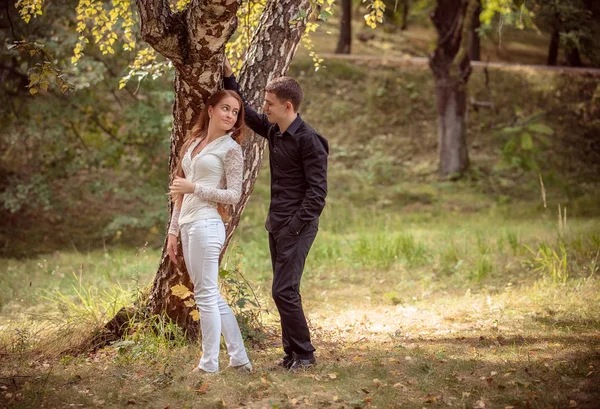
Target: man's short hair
[(286, 89)]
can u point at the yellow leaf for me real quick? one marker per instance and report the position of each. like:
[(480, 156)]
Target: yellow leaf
[(332, 376), (33, 91), (195, 315), (189, 303), (202, 389), (181, 291)]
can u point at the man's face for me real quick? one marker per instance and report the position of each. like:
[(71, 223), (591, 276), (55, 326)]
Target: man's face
[(276, 109)]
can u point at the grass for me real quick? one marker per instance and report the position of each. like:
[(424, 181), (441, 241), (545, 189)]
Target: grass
[(405, 313)]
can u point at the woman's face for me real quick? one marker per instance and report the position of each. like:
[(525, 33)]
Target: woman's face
[(224, 115)]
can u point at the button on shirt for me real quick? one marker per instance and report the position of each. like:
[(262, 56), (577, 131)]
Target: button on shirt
[(298, 163)]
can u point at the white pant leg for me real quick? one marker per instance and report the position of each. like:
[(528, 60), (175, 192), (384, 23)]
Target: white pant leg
[(202, 246)]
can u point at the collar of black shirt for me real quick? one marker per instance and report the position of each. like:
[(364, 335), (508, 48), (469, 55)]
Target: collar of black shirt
[(292, 128)]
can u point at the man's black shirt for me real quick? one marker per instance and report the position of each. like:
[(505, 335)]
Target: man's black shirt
[(298, 162)]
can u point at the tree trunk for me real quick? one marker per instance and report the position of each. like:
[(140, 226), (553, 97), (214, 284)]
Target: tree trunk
[(553, 48), (475, 51), (345, 40), (451, 69), (194, 40), (405, 11)]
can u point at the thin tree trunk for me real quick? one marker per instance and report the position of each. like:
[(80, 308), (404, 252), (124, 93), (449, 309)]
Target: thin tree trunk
[(553, 48), (475, 51), (405, 11), (451, 69), (345, 41)]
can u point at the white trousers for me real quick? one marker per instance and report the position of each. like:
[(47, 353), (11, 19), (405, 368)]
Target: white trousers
[(202, 241)]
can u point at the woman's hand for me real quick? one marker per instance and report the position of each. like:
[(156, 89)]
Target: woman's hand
[(181, 186), (172, 248)]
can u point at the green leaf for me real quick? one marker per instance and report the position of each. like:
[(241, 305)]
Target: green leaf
[(510, 146), (324, 15), (526, 141), (511, 130), (540, 128)]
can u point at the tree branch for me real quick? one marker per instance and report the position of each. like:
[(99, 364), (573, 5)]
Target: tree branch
[(210, 24), (161, 28)]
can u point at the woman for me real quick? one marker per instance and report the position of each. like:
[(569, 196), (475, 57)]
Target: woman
[(209, 177)]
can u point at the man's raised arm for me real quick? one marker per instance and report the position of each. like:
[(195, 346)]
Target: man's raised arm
[(257, 122)]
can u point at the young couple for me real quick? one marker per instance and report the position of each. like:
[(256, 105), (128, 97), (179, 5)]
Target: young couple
[(209, 177)]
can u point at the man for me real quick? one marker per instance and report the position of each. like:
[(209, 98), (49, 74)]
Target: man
[(298, 162)]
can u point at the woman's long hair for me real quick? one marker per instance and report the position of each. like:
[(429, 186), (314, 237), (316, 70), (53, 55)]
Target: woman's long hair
[(200, 130)]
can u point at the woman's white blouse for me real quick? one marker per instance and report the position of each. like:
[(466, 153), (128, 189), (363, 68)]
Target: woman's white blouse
[(217, 172)]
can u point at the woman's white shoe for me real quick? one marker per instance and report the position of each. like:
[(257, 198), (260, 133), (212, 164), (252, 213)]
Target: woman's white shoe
[(244, 368)]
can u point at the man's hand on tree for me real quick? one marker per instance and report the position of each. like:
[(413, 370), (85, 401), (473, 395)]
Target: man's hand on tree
[(227, 70)]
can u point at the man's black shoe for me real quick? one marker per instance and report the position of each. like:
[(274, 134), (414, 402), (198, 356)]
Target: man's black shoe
[(299, 364), (286, 362)]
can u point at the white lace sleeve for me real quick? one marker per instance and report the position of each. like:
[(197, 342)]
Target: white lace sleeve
[(234, 173), (174, 225)]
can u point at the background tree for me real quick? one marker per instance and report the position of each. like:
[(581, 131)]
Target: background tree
[(344, 45), (574, 27), (475, 49), (451, 69)]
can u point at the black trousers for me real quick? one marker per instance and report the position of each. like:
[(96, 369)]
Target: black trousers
[(288, 255)]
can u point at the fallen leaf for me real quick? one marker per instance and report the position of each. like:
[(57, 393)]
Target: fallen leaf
[(377, 382), (131, 402), (572, 403), (335, 398), (432, 399), (202, 389), (294, 401), (367, 400), (400, 386), (364, 390), (181, 291), (480, 404), (332, 376)]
